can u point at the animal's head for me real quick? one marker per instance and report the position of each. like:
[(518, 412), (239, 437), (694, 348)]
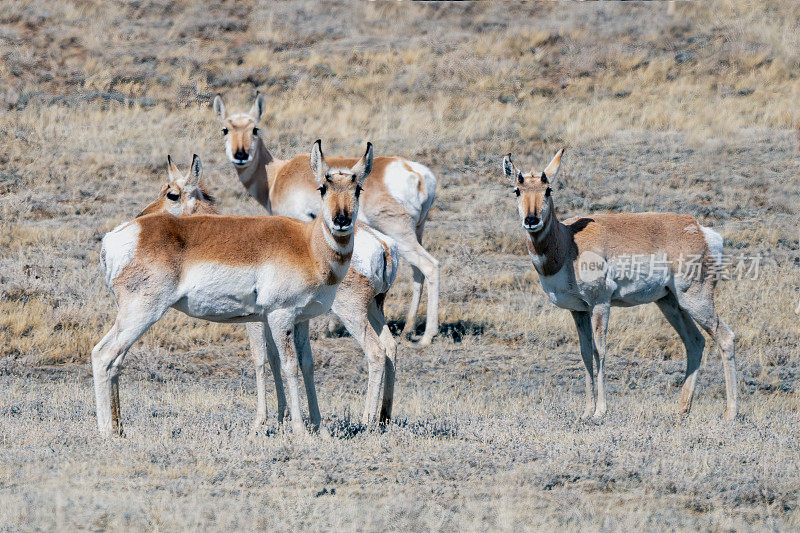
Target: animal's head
[(534, 194), (340, 189), (183, 194), (241, 131)]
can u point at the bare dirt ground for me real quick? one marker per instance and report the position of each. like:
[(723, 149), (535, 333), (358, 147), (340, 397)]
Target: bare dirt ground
[(689, 109)]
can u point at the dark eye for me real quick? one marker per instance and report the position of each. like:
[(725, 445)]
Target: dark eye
[(255, 131), (322, 189), (174, 196), (224, 131), (516, 191), (547, 192)]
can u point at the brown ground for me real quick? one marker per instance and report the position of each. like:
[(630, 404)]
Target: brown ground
[(689, 109)]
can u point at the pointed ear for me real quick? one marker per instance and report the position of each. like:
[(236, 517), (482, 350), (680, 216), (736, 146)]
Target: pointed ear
[(258, 107), (552, 168), (364, 165), (219, 109), (511, 170), (196, 171), (172, 170), (318, 165)]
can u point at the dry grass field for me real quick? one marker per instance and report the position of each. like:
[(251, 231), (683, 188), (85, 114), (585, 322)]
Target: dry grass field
[(690, 108)]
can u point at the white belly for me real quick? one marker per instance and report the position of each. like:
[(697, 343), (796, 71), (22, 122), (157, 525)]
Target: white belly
[(562, 289), (318, 304), (620, 284), (223, 293), (642, 284)]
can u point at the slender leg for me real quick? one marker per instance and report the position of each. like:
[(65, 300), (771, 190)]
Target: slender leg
[(107, 356), (261, 339), (257, 333), (694, 343), (281, 324), (378, 322), (303, 347), (599, 327), (415, 254), (697, 303), (275, 368), (258, 351), (584, 327), (432, 278), (353, 313), (413, 307), (333, 325), (116, 419), (724, 338), (103, 356)]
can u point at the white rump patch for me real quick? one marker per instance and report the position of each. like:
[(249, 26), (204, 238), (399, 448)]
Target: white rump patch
[(714, 241), (413, 190), (369, 258), (118, 248)]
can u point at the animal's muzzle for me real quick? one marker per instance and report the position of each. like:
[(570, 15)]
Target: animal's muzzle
[(342, 221)]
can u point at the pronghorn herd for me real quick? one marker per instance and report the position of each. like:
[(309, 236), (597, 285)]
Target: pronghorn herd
[(337, 229)]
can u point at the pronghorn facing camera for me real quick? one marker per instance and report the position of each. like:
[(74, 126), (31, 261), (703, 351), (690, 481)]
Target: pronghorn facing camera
[(183, 194), (230, 269), (397, 198), (358, 301), (588, 264)]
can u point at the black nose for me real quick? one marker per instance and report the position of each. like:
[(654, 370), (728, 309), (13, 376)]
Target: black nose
[(341, 220), (531, 220), (241, 155)]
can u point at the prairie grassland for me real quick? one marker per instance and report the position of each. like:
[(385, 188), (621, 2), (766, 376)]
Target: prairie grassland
[(688, 108)]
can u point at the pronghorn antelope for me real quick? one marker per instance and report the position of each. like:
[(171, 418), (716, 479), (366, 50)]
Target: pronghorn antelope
[(397, 198), (183, 194), (358, 301), (231, 269), (583, 266)]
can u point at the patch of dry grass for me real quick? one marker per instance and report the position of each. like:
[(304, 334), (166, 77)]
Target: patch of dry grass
[(690, 108)]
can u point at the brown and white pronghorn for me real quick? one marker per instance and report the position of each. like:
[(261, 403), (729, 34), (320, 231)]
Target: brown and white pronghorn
[(231, 269), (397, 198), (358, 301), (183, 194), (585, 264)]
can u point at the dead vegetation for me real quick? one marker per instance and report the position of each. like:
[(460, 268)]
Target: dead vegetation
[(688, 109)]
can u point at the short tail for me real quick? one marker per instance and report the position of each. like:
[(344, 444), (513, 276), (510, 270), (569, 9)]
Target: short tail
[(391, 260), (714, 242)]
